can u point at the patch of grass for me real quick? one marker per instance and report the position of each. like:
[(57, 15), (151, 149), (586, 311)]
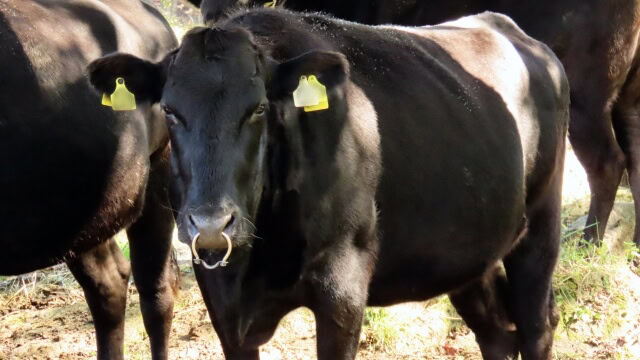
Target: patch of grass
[(582, 268), (632, 254), (123, 243), (624, 194), (454, 322), (178, 14), (574, 209), (139, 353), (593, 290), (379, 331)]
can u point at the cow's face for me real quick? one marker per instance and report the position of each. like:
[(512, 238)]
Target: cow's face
[(220, 95), (216, 107)]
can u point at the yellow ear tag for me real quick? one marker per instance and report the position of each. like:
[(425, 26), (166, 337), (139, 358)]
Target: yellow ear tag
[(122, 98), (321, 90), (305, 94), (271, 4), (106, 100)]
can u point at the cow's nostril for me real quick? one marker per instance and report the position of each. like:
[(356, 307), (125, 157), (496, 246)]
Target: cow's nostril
[(192, 220), (230, 223)]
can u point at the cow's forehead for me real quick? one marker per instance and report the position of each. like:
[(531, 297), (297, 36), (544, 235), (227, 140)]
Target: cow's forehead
[(226, 50), (207, 70)]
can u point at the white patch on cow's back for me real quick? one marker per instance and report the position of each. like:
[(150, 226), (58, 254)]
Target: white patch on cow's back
[(488, 55)]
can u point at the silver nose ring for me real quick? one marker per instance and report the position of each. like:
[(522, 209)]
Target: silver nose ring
[(221, 263)]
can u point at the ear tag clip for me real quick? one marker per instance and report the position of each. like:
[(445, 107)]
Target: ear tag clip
[(121, 99), (271, 4), (321, 90), (106, 100)]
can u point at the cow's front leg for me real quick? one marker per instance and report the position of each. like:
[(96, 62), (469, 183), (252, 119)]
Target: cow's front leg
[(103, 272), (339, 298), (155, 271)]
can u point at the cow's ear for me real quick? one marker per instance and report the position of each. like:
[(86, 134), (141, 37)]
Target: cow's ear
[(331, 69), (143, 78)]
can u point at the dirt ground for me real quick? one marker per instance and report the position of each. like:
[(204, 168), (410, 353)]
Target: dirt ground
[(52, 321)]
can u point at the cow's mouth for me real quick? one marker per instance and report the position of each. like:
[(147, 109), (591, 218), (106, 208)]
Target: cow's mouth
[(196, 257)]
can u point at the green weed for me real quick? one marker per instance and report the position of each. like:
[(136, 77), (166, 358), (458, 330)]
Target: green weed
[(591, 286), (123, 243), (380, 332)]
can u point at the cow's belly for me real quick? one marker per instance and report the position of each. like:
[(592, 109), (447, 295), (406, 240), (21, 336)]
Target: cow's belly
[(65, 191), (451, 204), (422, 277), (433, 258)]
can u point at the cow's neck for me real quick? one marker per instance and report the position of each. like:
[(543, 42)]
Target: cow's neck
[(306, 209)]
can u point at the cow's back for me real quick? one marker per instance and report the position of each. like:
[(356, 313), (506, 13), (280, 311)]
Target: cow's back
[(77, 169), (528, 76)]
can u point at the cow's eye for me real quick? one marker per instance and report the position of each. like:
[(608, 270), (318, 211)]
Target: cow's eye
[(260, 110), (166, 109), (172, 119)]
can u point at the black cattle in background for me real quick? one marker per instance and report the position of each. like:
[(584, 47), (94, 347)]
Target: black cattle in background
[(372, 12), (596, 41), (439, 158), (73, 172)]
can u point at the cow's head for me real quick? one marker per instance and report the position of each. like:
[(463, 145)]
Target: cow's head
[(223, 97), (214, 10)]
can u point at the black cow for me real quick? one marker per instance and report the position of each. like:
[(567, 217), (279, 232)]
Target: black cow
[(595, 40), (74, 173), (438, 159), (372, 12)]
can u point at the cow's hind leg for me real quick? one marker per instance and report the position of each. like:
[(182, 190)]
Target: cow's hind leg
[(103, 273), (529, 269), (155, 271), (596, 147), (482, 305), (626, 120)]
